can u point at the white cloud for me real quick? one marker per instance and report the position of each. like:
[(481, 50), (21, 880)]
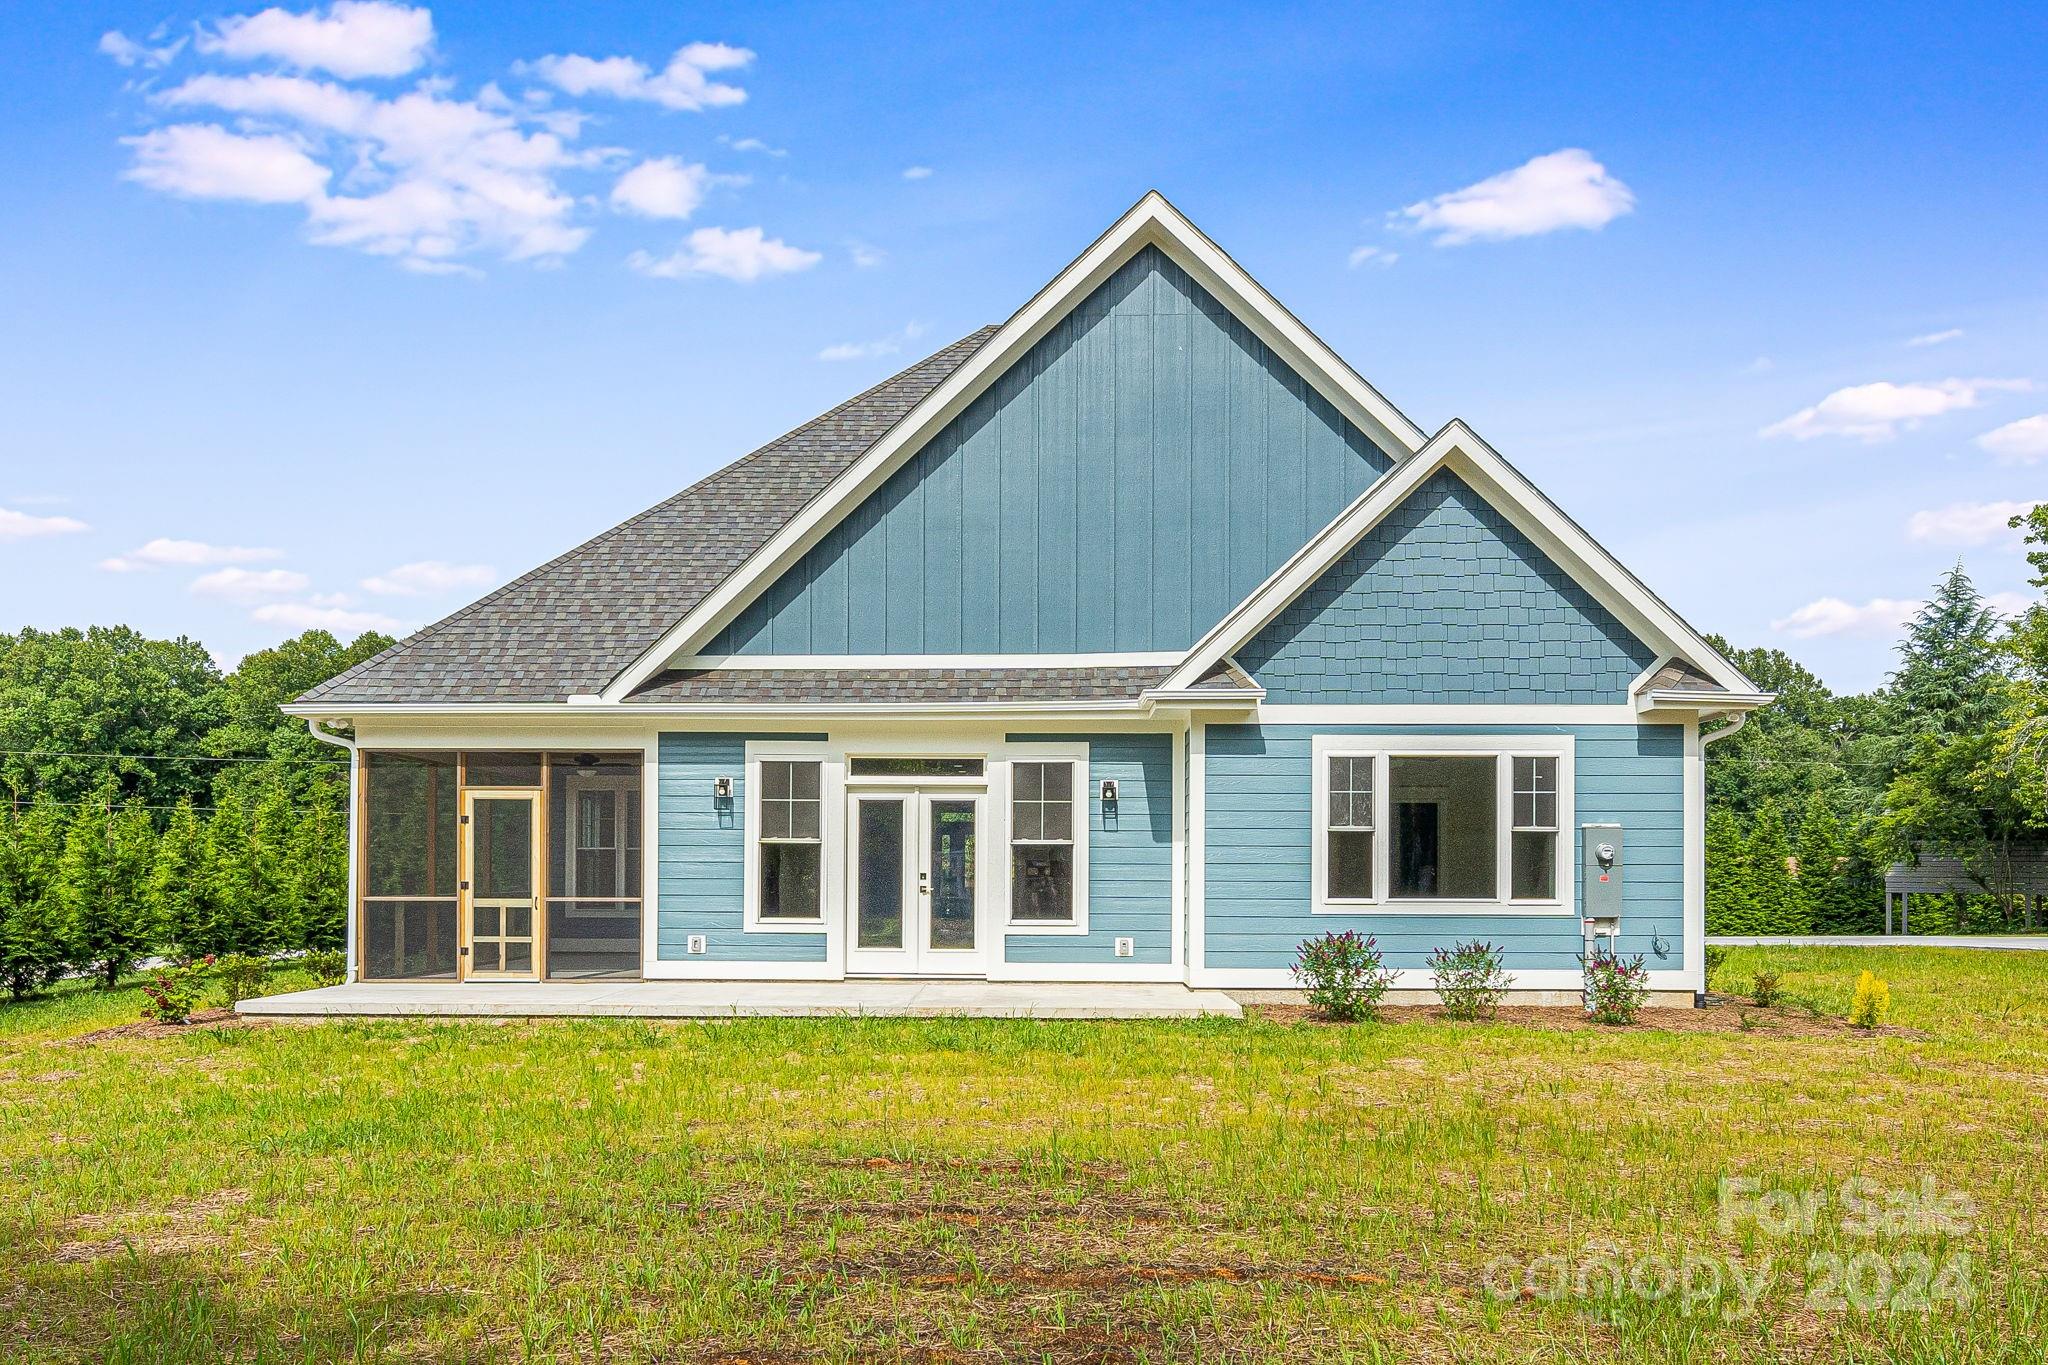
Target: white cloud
[(164, 553), (866, 256), (249, 585), (430, 576), (683, 84), (2021, 442), (1935, 338), (1833, 616), (880, 346), (128, 52), (743, 254), (1376, 255), (1763, 364), (205, 161), (1877, 412), (352, 38), (436, 178), (23, 526), (661, 188), (917, 172), (752, 144), (1965, 523), (325, 614), (1565, 189), (2010, 603)]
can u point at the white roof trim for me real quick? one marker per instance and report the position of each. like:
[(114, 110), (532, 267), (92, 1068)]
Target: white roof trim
[(1458, 448), (1152, 221)]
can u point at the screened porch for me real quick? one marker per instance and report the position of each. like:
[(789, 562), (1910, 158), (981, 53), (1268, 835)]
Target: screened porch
[(499, 865)]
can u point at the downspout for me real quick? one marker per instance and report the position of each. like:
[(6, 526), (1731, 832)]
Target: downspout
[(316, 728)]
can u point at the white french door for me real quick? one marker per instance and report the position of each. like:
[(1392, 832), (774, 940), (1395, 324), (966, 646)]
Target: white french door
[(915, 887)]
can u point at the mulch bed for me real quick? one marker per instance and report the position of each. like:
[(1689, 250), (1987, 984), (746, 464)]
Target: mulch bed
[(200, 1021), (1719, 1015)]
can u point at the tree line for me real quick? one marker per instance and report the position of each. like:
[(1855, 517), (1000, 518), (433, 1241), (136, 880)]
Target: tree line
[(1820, 793), (154, 804)]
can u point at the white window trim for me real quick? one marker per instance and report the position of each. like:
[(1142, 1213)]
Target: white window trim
[(1503, 749), (831, 797), (1084, 819)]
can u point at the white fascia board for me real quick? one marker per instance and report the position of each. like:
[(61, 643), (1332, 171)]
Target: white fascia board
[(1702, 699), (616, 715), (1152, 221), (1459, 449)]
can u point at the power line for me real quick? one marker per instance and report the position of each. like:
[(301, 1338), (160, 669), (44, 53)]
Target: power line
[(168, 758)]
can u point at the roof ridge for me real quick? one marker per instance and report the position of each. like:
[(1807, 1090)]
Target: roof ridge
[(979, 336)]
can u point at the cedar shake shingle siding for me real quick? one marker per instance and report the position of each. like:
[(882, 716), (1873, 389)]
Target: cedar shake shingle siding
[(571, 625)]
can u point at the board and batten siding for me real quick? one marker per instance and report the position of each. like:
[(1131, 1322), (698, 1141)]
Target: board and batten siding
[(1120, 488), (703, 855), (1445, 601), (1130, 856), (1259, 824)]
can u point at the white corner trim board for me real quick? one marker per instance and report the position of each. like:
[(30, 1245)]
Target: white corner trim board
[(1152, 221)]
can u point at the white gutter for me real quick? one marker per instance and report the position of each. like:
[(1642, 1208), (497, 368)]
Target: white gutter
[(316, 728)]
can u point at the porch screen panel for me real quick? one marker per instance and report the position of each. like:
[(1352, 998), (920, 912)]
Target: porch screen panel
[(409, 865), (594, 864)]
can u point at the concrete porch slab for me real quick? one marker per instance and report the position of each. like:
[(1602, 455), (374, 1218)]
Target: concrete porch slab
[(743, 999)]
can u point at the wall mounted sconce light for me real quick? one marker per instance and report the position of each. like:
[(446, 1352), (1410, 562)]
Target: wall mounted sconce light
[(721, 788), (1109, 789)]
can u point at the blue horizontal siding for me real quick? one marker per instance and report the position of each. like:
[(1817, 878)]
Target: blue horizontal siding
[(1124, 485), (1130, 856), (1259, 824), (1445, 601), (703, 856)]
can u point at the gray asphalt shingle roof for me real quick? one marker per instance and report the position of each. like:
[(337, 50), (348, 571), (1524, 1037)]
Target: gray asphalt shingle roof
[(572, 624)]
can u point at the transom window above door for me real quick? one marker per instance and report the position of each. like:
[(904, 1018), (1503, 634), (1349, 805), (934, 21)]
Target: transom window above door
[(1421, 823)]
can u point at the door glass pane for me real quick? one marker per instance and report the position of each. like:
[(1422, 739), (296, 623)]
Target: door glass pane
[(519, 956), (484, 920), (879, 923), (483, 956), (518, 921), (504, 849), (952, 874)]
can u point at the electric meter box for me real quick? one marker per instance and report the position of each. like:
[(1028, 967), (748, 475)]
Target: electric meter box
[(1600, 865)]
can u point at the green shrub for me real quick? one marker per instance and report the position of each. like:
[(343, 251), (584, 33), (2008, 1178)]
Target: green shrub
[(1765, 990), (241, 975), (1616, 990), (1470, 978), (1716, 958), (326, 965), (1344, 975), (172, 993)]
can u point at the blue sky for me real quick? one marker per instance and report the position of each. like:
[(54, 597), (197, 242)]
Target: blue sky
[(315, 316)]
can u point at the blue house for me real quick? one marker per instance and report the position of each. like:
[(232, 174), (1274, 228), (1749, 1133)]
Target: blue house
[(1135, 639)]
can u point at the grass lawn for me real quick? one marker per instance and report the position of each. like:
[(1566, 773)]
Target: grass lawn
[(941, 1190)]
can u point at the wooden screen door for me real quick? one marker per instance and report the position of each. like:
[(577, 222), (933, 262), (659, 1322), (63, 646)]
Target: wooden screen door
[(501, 885)]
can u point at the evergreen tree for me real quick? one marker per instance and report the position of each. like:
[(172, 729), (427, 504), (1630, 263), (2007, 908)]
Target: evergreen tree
[(229, 887), (319, 869), (1772, 895), (100, 929), (279, 919), (1826, 894), (33, 950), (180, 890), (1948, 665), (1727, 877)]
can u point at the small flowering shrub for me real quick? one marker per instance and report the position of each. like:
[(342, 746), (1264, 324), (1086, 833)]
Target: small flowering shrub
[(1344, 975), (1470, 978), (172, 993), (1872, 1003), (1616, 990), (241, 976)]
